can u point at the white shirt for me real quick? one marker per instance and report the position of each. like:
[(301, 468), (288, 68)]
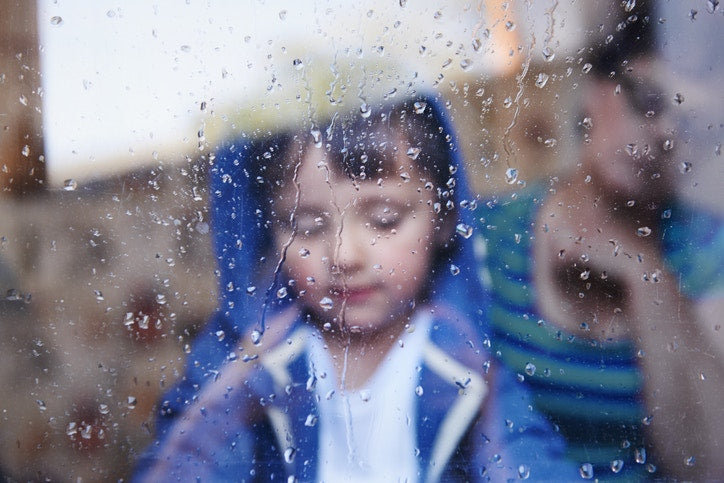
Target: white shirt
[(369, 434)]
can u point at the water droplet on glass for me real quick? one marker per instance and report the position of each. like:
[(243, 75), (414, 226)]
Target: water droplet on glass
[(685, 167), (550, 142), (530, 368), (643, 231), (317, 136), (220, 334), (640, 455), (523, 472), (131, 402), (587, 122), (585, 274), (143, 323), (586, 471), (541, 80), (465, 231), (98, 294), (326, 303), (507, 102), (256, 337), (511, 175), (586, 68), (454, 269), (668, 145), (548, 54), (311, 420), (57, 20), (41, 405), (466, 64), (104, 409), (632, 149), (70, 185), (413, 152), (629, 5), (419, 107), (282, 14), (282, 292), (160, 299), (616, 466), (509, 26), (289, 454), (690, 461), (365, 110), (25, 151), (477, 44), (298, 64), (365, 395), (303, 252), (678, 98), (405, 176), (419, 391)]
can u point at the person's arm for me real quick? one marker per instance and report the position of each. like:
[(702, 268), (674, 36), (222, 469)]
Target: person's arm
[(620, 276), (683, 380)]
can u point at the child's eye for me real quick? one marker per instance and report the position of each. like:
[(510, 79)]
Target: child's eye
[(385, 218), (311, 225)]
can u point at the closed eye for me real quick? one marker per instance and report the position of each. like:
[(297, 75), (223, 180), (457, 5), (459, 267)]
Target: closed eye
[(312, 224)]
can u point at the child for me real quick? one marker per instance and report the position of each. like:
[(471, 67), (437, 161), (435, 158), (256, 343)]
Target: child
[(362, 360)]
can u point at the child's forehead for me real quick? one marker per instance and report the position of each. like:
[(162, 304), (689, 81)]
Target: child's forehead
[(321, 184)]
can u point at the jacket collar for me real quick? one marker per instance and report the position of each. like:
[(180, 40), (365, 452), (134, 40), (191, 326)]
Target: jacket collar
[(444, 412)]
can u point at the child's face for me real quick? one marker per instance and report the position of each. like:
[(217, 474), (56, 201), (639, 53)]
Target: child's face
[(362, 252)]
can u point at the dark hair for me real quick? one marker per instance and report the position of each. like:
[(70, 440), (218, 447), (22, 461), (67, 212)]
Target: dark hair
[(634, 36), (361, 147)]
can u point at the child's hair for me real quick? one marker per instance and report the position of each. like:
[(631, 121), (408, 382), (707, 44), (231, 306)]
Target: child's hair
[(363, 149)]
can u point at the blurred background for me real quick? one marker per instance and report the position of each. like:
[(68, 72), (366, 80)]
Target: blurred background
[(109, 115)]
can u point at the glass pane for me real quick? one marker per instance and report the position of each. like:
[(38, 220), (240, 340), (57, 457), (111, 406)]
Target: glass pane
[(505, 217)]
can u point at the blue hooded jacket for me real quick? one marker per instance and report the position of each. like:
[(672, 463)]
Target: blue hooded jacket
[(223, 420)]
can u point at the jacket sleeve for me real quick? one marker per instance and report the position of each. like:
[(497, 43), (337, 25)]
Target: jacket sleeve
[(212, 440), (517, 442)]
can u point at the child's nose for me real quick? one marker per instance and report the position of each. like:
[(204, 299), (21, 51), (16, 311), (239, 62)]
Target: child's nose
[(351, 251)]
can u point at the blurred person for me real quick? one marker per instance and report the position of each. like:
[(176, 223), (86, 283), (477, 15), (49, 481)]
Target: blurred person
[(606, 286), (365, 362)]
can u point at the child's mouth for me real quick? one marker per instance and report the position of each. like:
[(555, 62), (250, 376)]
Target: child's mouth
[(355, 295)]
